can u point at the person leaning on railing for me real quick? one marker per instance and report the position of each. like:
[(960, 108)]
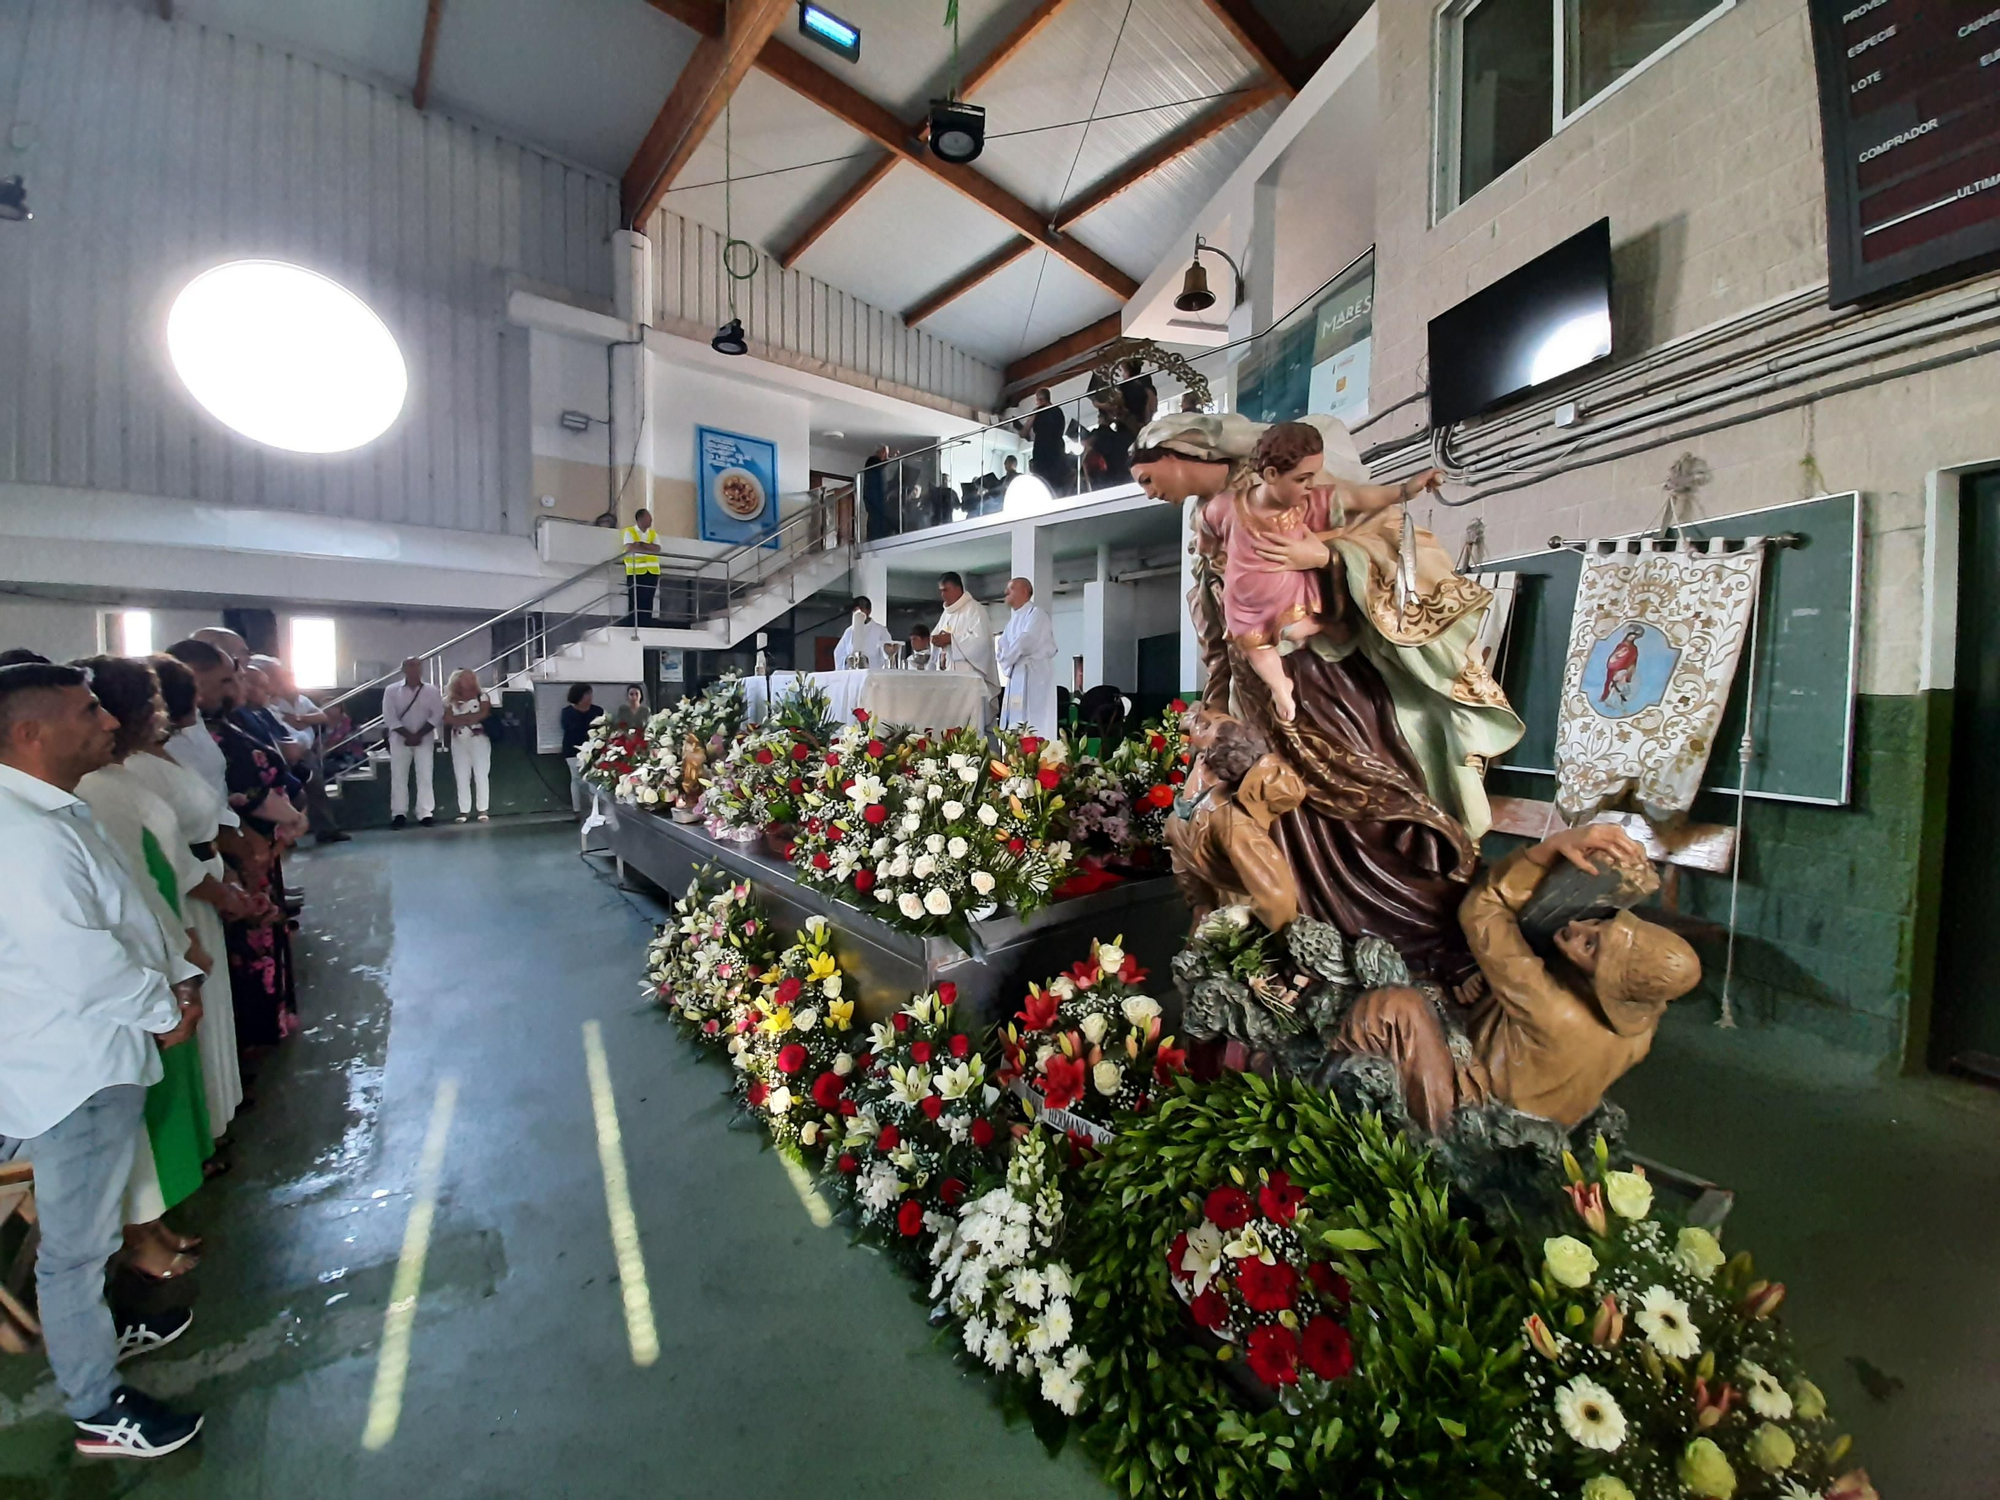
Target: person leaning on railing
[(642, 567)]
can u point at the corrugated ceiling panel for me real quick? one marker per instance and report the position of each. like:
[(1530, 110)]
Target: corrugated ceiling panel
[(1037, 299), (910, 234), (906, 49), (159, 150)]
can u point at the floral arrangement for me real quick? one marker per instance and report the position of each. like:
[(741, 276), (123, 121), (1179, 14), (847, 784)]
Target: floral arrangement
[(1659, 1369), (1099, 815), (1089, 1042), (756, 785), (1027, 777), (1150, 765), (607, 755), (794, 1047), (999, 1274), (1244, 1273), (923, 1126), (711, 716), (711, 954)]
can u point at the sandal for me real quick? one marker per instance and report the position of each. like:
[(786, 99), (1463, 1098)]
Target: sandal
[(177, 1268)]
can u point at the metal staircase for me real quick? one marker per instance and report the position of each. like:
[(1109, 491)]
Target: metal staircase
[(580, 629)]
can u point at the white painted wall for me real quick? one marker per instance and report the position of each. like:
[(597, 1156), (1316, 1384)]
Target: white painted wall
[(688, 392)]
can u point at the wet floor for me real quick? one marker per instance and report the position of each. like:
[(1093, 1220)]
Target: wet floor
[(448, 977), (467, 961)]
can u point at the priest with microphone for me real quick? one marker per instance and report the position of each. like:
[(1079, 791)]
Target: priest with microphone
[(964, 630), (1027, 654)]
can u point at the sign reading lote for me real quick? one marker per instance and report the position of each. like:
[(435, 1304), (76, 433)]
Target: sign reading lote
[(736, 479), (1910, 114)]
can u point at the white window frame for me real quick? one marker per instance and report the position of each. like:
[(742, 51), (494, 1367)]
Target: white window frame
[(1447, 28), (111, 630)]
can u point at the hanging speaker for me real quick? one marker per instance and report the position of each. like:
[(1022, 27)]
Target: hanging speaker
[(958, 130)]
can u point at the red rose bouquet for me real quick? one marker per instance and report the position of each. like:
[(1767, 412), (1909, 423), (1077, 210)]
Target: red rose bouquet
[(1243, 1271), (1090, 1041), (1026, 792), (608, 756)]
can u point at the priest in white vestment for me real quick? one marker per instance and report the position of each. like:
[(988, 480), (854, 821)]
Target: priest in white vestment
[(1027, 656), (864, 638), (964, 630)]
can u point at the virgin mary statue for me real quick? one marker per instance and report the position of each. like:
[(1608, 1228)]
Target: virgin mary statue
[(1397, 716)]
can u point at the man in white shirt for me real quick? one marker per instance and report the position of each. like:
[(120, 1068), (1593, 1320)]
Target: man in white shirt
[(303, 721), (90, 990), (1027, 654), (412, 711), (863, 638), (966, 632)]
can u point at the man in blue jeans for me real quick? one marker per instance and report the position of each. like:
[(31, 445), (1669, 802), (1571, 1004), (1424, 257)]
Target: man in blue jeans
[(90, 990)]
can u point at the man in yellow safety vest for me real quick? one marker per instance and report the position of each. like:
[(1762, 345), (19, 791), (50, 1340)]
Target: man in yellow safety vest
[(642, 567)]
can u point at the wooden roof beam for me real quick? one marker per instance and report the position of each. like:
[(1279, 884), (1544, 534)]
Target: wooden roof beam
[(1258, 37), (1182, 141), (969, 278), (720, 61), (1030, 27), (420, 94), (1071, 346)]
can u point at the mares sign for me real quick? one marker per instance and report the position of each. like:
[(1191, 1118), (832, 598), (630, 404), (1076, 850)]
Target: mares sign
[(1910, 108)]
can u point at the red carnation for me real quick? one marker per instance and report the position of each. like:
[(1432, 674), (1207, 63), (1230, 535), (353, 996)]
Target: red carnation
[(877, 749), (920, 1052), (861, 716), (889, 1139), (711, 1026), (951, 1190), (795, 786), (947, 993), (847, 1163), (910, 1218), (1161, 795), (763, 757), (791, 848), (849, 1107), (1177, 1253), (1329, 1282), (1038, 1011), (1175, 778), (1266, 1288), (826, 1090), (788, 990), (1209, 1309), (1016, 846), (758, 1094), (1178, 706), (1156, 741), (821, 862), (1228, 1208), (1274, 1354), (1279, 1199), (900, 1020), (1062, 1086), (847, 783), (875, 813), (791, 1059), (864, 881), (1169, 1061), (1050, 778), (1325, 1348), (801, 750), (961, 1046), (931, 1105), (982, 1134), (832, 759), (1030, 745)]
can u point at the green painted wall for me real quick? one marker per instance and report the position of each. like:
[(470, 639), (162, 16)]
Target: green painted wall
[(1836, 913)]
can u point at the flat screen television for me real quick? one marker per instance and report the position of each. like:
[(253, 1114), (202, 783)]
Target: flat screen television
[(1535, 325)]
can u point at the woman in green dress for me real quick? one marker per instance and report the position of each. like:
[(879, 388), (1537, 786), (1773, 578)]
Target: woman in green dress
[(146, 831)]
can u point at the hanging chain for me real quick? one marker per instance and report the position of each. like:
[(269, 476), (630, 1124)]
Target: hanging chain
[(730, 243)]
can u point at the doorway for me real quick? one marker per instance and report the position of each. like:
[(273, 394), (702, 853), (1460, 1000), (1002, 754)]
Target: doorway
[(1965, 1031)]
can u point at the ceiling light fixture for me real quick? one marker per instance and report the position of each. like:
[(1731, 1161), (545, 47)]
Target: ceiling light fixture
[(832, 33), (1195, 295), (729, 338), (14, 200), (958, 129)]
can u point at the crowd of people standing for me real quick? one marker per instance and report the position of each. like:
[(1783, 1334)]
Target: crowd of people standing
[(146, 808)]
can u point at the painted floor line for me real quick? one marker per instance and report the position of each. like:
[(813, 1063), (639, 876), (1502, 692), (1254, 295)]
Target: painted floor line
[(392, 1365), (817, 1208), (640, 1329)]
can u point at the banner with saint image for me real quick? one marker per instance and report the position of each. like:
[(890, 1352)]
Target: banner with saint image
[(1653, 649)]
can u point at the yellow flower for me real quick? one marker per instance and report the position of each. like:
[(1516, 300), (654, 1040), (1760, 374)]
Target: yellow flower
[(822, 966), (1606, 1487), (1771, 1448), (778, 1022), (1808, 1400), (1698, 1253), (840, 1014), (1570, 1260), (1706, 1472), (1630, 1194)]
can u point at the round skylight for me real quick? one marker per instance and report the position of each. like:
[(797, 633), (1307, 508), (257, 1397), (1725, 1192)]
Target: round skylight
[(286, 356)]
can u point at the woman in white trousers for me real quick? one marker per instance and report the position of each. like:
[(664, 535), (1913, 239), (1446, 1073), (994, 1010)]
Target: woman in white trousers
[(466, 710)]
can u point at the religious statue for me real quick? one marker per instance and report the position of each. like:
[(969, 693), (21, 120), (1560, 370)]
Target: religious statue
[(1219, 830), (694, 760)]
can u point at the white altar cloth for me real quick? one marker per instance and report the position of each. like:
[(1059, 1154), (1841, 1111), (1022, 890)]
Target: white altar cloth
[(921, 700)]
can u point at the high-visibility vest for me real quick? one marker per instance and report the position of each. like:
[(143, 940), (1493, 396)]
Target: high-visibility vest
[(641, 562)]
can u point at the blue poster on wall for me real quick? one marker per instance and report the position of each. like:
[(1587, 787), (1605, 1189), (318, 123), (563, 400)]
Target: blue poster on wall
[(736, 479)]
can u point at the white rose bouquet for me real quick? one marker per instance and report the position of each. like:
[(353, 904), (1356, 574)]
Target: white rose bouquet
[(710, 956)]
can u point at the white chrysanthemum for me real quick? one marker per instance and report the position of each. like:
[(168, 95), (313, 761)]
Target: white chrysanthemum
[(988, 814), (1761, 1389), (975, 1335), (1590, 1414), (1664, 1317), (953, 810), (910, 905), (879, 1186), (998, 1350), (1057, 1320), (1056, 1277), (937, 903), (1025, 1286)]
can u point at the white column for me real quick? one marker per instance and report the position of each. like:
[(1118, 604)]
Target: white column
[(1110, 639), (870, 577), (1035, 557), (1192, 673)]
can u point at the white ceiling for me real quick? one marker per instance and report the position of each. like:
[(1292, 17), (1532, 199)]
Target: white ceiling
[(1099, 84)]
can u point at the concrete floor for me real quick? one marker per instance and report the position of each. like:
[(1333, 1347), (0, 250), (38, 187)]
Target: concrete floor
[(791, 1364)]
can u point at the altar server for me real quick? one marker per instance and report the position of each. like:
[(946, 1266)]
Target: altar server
[(964, 629), (864, 638), (1027, 655)]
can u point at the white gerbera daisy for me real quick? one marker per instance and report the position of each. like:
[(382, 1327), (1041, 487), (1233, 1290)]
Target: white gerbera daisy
[(1590, 1414), (1767, 1398), (1664, 1317)]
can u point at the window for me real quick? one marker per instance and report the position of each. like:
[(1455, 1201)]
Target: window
[(128, 632), (1514, 72), (312, 657)]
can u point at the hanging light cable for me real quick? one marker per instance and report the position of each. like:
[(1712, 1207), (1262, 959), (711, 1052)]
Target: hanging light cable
[(958, 129), (729, 337)]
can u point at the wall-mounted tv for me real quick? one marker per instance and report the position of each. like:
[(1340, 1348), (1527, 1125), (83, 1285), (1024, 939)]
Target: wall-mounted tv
[(1535, 325)]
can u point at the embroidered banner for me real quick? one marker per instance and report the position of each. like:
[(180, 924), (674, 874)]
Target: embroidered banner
[(1652, 653)]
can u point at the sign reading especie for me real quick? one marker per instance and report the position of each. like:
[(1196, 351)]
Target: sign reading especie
[(1910, 114), (738, 481)]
